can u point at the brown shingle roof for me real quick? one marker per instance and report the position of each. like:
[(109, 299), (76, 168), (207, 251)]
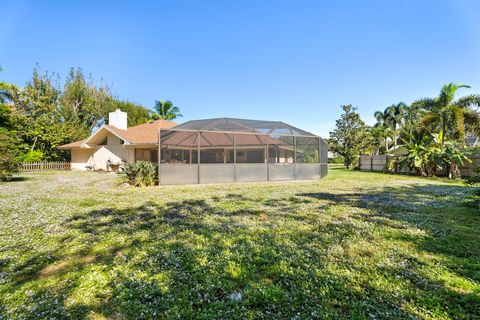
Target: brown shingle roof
[(146, 133)]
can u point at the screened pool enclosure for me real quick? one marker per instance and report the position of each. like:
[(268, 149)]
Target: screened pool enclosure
[(228, 150)]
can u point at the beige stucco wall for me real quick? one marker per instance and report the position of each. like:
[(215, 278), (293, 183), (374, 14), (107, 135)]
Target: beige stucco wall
[(99, 156), (114, 153), (80, 158)]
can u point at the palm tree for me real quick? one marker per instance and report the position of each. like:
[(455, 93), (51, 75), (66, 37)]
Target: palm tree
[(393, 118), (381, 134), (165, 110), (396, 118), (448, 115)]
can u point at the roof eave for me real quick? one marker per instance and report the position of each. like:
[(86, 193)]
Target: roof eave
[(109, 130)]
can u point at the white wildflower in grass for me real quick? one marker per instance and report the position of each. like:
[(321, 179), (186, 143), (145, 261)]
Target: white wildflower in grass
[(353, 245), (235, 296)]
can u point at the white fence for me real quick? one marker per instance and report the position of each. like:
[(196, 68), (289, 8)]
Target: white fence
[(45, 166)]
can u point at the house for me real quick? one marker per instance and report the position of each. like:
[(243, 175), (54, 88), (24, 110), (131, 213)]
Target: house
[(115, 144), (206, 151)]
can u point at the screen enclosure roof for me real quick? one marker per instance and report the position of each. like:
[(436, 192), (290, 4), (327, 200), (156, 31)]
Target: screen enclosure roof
[(243, 126)]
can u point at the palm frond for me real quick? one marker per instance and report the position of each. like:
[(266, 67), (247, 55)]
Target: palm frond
[(423, 104), (380, 116), (470, 101), (166, 110), (448, 91)]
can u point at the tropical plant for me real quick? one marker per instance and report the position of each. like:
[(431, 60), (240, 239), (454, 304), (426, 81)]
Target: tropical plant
[(396, 119), (420, 157), (450, 115), (165, 110), (429, 156), (141, 173), (393, 119), (451, 157), (381, 133)]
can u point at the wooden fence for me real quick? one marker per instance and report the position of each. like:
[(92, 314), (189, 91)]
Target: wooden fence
[(373, 163), (468, 169), (378, 164), (45, 166)]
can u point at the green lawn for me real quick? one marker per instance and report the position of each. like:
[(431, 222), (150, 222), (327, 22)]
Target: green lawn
[(354, 245)]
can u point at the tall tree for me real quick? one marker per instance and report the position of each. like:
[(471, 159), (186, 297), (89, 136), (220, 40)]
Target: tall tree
[(84, 103), (39, 118), (397, 113), (350, 137), (136, 113), (165, 110), (10, 143)]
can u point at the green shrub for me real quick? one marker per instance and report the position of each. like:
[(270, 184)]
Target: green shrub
[(9, 154), (336, 160), (141, 173), (32, 156)]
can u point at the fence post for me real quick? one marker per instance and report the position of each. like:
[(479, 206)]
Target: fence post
[(371, 163)]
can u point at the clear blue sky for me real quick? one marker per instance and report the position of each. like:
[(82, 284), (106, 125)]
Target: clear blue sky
[(295, 61)]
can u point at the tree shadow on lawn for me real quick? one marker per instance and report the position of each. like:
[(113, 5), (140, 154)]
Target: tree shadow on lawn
[(186, 259), (15, 179)]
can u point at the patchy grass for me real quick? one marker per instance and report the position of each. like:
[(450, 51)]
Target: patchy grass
[(354, 245)]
